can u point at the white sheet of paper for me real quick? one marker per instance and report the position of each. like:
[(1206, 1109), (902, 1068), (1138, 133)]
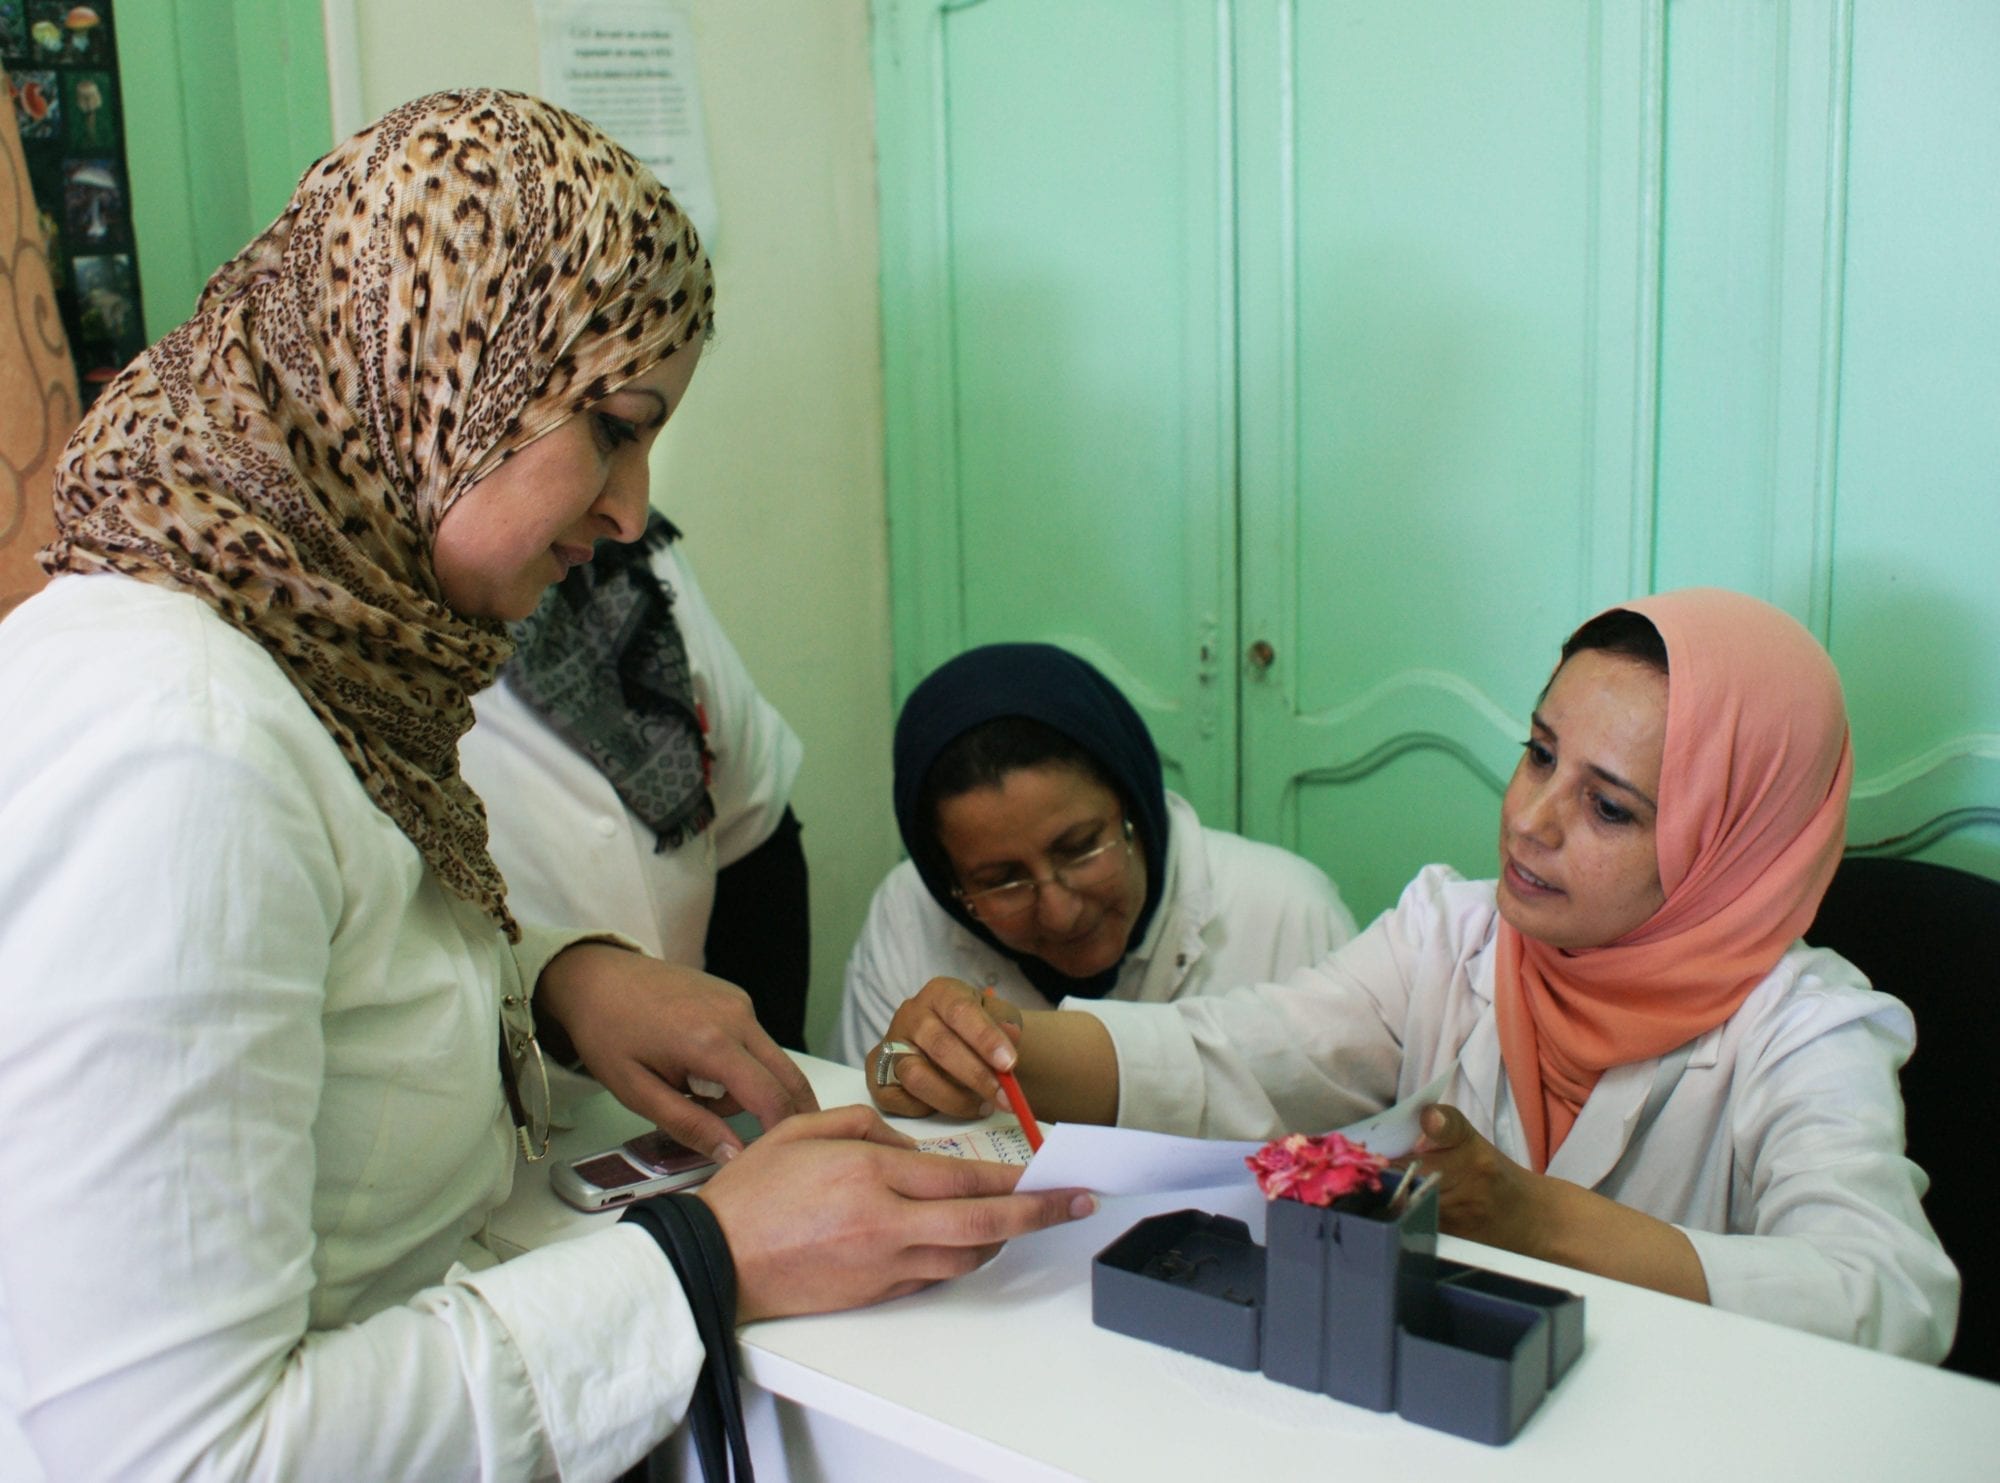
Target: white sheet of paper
[(1128, 1161), (1393, 1131)]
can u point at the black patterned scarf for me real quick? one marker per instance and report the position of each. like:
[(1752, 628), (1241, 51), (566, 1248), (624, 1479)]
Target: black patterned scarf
[(604, 663)]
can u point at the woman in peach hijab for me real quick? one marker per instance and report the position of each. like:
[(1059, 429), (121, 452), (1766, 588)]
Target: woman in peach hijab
[(1652, 1077)]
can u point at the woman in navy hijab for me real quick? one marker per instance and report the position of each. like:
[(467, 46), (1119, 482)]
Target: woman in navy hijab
[(1047, 861)]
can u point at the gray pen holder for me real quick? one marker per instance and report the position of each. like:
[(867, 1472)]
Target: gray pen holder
[(1565, 1309), (1189, 1280), (1473, 1364), (1338, 1281), (1358, 1306)]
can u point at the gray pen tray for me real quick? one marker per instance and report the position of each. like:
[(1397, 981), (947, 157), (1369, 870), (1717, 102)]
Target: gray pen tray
[(1475, 1354), (1565, 1309), (1189, 1280), (1472, 1364)]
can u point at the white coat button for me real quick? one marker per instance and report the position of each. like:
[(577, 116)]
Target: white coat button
[(606, 826)]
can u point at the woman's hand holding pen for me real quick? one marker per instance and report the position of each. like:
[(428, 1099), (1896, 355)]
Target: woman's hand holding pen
[(948, 1044), (961, 1038)]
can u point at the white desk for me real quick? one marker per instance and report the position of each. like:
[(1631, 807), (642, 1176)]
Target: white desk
[(1002, 1375)]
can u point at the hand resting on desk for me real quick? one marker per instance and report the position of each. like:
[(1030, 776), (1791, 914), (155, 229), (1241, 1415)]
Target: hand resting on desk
[(838, 1210)]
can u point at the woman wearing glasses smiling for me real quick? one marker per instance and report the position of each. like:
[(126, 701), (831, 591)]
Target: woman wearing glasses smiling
[(1048, 862)]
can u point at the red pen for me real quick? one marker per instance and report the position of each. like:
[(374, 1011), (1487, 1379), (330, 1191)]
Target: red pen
[(1018, 1100), (1020, 1105)]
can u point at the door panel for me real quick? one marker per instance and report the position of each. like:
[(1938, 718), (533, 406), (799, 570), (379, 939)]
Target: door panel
[(1750, 298), (1830, 359), (1061, 380), (1915, 609), (1447, 452), (235, 105)]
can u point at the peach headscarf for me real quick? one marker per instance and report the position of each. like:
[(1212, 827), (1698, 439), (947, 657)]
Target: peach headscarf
[(1752, 817)]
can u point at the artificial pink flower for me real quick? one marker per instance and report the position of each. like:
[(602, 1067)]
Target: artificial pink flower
[(1315, 1171)]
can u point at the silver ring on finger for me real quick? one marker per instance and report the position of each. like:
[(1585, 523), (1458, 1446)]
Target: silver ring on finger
[(885, 1061)]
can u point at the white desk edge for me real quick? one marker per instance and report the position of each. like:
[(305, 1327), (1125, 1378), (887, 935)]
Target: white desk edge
[(1003, 1375)]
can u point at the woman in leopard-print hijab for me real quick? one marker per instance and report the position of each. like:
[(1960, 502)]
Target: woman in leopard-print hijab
[(247, 913), (400, 331)]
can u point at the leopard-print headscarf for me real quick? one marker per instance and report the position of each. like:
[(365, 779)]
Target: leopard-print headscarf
[(443, 289)]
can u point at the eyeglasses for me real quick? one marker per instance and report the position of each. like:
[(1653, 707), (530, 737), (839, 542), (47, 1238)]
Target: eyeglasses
[(1014, 901), (525, 1075)]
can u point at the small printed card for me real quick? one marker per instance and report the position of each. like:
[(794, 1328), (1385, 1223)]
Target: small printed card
[(996, 1145)]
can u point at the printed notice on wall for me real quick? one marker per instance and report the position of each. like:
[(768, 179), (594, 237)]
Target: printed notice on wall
[(628, 66)]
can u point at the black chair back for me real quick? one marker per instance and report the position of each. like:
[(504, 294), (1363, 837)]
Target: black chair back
[(1930, 935)]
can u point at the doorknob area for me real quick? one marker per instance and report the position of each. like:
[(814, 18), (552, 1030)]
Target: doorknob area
[(1261, 655)]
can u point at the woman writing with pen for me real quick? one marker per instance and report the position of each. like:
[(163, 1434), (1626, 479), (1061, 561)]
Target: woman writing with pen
[(1652, 1078)]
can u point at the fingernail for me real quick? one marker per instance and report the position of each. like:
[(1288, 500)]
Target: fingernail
[(1082, 1205), (724, 1152), (986, 1109), (1004, 1060)]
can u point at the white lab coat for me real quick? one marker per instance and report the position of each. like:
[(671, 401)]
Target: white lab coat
[(575, 856), (1233, 911), (1779, 1150), (253, 1113)]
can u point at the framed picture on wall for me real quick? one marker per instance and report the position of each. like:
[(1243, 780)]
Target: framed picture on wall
[(61, 62)]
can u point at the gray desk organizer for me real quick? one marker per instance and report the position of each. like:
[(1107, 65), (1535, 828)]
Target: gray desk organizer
[(1348, 1302), (1214, 1274)]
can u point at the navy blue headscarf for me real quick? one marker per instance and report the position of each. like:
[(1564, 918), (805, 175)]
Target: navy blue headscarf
[(1052, 686)]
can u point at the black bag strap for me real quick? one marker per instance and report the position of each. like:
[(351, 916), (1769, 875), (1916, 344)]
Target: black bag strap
[(692, 1239)]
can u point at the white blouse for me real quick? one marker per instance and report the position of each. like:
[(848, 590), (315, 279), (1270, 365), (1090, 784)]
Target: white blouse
[(252, 1111)]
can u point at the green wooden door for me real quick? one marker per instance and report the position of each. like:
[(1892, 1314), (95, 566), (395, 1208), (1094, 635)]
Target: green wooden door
[(1058, 311), (1472, 318), (1544, 304), (226, 104), (1448, 253), (1908, 538)]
